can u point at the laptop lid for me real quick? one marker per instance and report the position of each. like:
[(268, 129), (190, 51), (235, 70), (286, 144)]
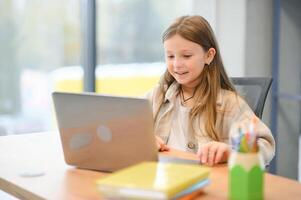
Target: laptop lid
[(104, 133)]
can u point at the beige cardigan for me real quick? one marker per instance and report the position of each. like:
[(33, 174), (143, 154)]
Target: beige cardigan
[(230, 109)]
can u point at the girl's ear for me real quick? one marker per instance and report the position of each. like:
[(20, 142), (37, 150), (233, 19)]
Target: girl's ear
[(210, 55)]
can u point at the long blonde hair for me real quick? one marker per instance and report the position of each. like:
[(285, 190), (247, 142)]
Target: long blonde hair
[(213, 77)]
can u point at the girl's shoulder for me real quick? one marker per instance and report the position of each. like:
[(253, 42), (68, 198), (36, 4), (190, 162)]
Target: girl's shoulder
[(235, 104), (227, 96), (230, 98), (159, 91)]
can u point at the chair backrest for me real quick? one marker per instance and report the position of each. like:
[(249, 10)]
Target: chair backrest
[(254, 90)]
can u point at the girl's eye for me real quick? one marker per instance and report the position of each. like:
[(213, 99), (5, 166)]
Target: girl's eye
[(170, 56), (187, 56)]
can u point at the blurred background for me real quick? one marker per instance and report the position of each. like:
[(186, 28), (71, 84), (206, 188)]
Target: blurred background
[(43, 48)]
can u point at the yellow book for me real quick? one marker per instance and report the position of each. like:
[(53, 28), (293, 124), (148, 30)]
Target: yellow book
[(152, 180)]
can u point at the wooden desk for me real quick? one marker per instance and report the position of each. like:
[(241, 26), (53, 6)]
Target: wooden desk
[(42, 153)]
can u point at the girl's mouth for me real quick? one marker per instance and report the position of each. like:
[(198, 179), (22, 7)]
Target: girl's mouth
[(181, 73)]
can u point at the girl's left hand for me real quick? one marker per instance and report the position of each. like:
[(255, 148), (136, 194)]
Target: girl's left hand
[(161, 145), (214, 152)]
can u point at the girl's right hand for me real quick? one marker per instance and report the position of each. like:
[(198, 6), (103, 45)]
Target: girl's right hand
[(161, 145), (214, 152)]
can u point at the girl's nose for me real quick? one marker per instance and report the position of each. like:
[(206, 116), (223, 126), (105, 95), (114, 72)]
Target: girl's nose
[(177, 63)]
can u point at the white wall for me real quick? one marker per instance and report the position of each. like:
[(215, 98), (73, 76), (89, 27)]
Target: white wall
[(231, 26), (228, 20), (259, 39), (207, 9)]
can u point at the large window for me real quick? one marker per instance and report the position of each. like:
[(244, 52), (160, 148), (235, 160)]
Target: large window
[(130, 31), (36, 38), (130, 53), (40, 52)]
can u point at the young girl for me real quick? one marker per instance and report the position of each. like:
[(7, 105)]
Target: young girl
[(195, 103)]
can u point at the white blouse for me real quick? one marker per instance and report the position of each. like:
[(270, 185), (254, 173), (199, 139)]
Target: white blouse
[(179, 127)]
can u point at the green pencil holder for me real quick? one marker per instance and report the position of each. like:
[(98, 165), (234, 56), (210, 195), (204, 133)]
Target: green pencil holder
[(246, 176)]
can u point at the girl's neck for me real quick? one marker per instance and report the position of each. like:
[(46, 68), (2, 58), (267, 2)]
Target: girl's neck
[(187, 96), (188, 90)]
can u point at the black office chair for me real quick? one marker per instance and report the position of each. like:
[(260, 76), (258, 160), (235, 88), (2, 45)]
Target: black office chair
[(254, 90)]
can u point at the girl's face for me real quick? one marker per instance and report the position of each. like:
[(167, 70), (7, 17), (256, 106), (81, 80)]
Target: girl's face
[(185, 60)]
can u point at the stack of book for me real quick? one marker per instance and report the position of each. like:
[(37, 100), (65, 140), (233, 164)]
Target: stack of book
[(154, 180)]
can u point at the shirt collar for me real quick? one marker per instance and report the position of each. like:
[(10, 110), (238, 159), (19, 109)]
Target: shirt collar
[(173, 90)]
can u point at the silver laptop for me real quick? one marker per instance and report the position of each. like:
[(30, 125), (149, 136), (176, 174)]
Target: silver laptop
[(105, 133)]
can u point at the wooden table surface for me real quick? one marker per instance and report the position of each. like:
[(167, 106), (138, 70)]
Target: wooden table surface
[(32, 167)]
